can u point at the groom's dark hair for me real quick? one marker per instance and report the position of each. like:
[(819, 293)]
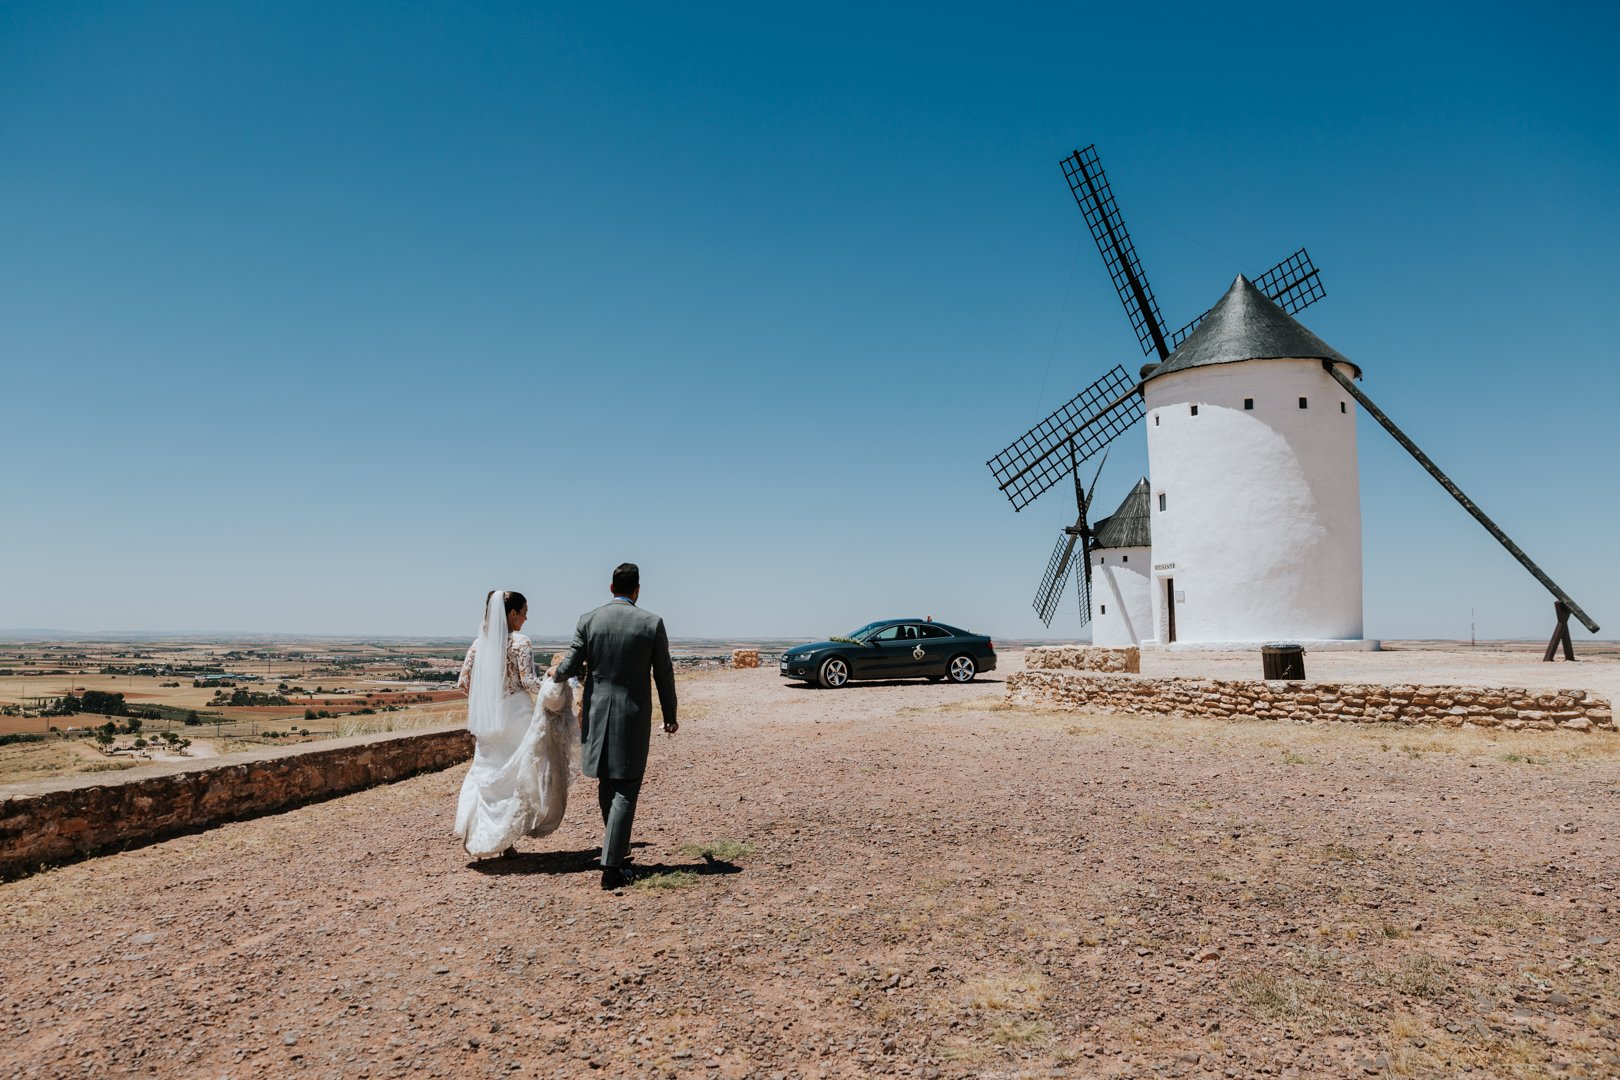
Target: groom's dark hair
[(626, 578)]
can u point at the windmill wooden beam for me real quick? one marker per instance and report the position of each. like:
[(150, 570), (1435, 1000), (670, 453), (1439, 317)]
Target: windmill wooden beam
[(1563, 606)]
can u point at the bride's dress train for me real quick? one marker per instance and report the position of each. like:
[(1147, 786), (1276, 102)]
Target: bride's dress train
[(526, 741), (518, 783)]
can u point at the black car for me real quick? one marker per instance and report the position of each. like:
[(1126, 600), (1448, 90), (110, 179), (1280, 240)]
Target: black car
[(892, 649)]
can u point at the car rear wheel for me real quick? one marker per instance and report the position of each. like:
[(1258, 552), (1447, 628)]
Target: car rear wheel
[(962, 669), (834, 672)]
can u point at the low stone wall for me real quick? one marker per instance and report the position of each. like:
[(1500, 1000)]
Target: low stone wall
[(75, 817), (1447, 706), (745, 658), (1084, 658)]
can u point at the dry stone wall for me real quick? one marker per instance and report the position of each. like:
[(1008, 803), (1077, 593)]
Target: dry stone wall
[(745, 658), (83, 818), (1084, 658), (1512, 708)]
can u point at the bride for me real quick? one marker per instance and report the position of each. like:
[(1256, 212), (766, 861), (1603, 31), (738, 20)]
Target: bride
[(525, 733)]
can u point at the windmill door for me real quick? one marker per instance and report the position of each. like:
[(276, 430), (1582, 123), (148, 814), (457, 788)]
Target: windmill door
[(1169, 609)]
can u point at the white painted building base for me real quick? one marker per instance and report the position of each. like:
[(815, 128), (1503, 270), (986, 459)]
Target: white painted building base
[(1121, 597), (1309, 645)]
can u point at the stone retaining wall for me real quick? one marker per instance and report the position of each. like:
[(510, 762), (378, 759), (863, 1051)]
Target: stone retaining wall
[(77, 817), (745, 658), (1447, 706), (1084, 658)]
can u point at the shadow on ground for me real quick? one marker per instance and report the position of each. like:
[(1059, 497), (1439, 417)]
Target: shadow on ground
[(858, 684), (545, 862), (587, 860)]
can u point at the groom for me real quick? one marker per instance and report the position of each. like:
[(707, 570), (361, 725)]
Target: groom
[(618, 645)]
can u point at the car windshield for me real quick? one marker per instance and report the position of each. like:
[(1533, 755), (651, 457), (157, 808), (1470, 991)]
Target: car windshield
[(870, 628)]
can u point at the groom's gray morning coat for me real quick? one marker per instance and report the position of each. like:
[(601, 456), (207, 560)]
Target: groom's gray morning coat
[(619, 646)]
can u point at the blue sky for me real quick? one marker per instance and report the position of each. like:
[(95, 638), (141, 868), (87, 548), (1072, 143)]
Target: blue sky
[(328, 318)]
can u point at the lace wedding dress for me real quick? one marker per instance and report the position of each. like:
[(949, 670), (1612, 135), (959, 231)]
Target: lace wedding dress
[(527, 743)]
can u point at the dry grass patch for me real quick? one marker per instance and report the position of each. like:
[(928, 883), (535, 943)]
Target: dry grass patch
[(1020, 1032), (718, 850), (1418, 975), (55, 757), (1337, 851), (1417, 1048), (964, 1053), (1009, 1005), (404, 720), (1019, 992), (1289, 998)]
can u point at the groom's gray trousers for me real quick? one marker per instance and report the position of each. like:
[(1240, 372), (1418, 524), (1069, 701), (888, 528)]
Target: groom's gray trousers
[(617, 798)]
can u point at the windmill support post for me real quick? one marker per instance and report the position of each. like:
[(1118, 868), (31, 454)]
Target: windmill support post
[(1560, 634), (1564, 607)]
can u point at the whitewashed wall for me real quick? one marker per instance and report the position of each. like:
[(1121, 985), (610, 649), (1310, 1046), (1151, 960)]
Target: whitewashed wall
[(1122, 582), (1261, 529)]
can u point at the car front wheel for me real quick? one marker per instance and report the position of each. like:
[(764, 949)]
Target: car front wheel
[(834, 672), (963, 669)]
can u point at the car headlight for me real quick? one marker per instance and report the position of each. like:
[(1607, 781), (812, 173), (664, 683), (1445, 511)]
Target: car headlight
[(794, 658)]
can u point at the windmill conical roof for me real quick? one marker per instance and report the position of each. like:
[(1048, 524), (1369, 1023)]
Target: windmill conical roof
[(1246, 324), (1129, 526)]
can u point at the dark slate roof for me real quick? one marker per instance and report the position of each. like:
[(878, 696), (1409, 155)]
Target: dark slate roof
[(1246, 324), (1129, 526)]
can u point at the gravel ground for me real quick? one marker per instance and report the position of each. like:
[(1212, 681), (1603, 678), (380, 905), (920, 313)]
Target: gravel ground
[(933, 884)]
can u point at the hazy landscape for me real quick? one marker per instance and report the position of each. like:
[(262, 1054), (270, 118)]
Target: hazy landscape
[(105, 703)]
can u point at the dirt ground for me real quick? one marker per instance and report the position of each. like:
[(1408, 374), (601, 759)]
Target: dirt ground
[(908, 879)]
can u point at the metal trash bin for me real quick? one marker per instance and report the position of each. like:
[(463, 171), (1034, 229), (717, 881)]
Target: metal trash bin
[(1283, 660)]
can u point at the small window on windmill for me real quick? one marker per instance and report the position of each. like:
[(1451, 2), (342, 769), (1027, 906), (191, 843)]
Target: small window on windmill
[(1124, 558), (1161, 500), (1248, 403), (1342, 408), (1195, 410), (1105, 609), (1155, 419), (1302, 403)]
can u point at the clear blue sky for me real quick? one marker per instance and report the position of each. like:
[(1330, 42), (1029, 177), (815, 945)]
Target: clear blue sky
[(300, 300)]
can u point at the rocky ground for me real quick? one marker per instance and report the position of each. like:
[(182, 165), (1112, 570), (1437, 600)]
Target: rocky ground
[(907, 879)]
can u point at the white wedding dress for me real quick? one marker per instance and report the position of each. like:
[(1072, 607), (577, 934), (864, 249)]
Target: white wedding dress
[(524, 753)]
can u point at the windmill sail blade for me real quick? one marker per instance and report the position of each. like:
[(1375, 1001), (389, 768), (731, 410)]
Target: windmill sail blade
[(1457, 493), (1056, 576), (1087, 533), (1082, 584), (1096, 200), (1295, 284), (1092, 419)]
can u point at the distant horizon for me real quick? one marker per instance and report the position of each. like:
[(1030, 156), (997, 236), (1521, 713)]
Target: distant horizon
[(27, 636)]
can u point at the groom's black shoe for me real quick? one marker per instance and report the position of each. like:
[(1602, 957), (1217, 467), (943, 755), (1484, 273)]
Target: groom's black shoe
[(617, 877)]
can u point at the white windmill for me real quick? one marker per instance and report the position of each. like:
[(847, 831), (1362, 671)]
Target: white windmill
[(1256, 503), (1122, 610), (1255, 495)]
